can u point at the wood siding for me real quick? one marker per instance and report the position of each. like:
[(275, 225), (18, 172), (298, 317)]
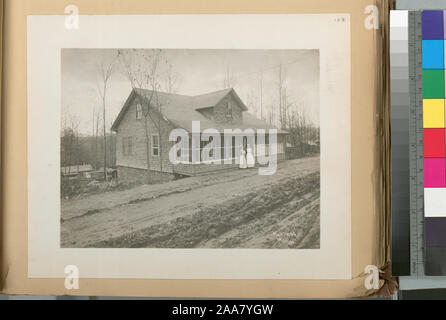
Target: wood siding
[(130, 126)]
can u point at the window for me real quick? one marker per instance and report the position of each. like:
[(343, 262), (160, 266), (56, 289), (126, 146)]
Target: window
[(138, 112), (127, 146), (179, 150), (280, 148), (229, 109), (203, 144), (155, 145), (130, 146)]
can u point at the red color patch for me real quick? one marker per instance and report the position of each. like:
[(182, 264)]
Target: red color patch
[(434, 143)]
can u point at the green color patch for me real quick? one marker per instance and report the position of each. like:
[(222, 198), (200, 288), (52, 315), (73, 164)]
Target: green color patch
[(433, 84)]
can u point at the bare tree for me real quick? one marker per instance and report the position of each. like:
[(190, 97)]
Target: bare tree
[(304, 135), (281, 95), (96, 141), (105, 72), (95, 134), (142, 69), (112, 144), (252, 103), (261, 94), (93, 125), (271, 117), (171, 79), (69, 142), (228, 79), (285, 107)]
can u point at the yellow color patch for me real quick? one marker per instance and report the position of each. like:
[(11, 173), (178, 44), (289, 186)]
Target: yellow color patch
[(433, 113)]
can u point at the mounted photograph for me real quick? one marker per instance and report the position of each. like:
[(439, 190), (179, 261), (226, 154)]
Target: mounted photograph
[(190, 148)]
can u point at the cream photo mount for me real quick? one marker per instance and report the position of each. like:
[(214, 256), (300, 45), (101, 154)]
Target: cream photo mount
[(329, 33)]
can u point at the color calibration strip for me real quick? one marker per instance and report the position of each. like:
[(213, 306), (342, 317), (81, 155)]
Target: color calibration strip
[(433, 61), (399, 113)]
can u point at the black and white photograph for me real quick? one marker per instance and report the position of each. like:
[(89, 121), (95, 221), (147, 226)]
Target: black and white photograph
[(213, 148), (190, 148)]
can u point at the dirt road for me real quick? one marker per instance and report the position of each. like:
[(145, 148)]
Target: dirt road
[(232, 209)]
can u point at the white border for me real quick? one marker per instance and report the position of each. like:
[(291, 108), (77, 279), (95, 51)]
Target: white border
[(330, 33)]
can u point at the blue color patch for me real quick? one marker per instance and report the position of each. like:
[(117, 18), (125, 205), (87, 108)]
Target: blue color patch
[(433, 54), (432, 24)]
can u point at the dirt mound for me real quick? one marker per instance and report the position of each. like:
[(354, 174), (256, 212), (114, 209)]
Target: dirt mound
[(284, 215)]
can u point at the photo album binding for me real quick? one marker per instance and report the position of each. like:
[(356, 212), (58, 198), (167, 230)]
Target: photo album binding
[(220, 147)]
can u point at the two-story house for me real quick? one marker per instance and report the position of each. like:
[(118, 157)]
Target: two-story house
[(143, 132)]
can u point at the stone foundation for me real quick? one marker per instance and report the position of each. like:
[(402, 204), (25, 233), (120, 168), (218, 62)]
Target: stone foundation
[(135, 176)]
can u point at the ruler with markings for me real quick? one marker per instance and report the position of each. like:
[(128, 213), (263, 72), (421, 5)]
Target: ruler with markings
[(416, 156)]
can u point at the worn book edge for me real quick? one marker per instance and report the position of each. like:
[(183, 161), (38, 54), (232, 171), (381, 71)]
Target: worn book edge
[(1, 144), (13, 273)]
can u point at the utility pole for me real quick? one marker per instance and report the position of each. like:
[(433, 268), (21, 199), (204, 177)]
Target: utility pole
[(105, 136)]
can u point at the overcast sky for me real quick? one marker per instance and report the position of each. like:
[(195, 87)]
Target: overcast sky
[(198, 72)]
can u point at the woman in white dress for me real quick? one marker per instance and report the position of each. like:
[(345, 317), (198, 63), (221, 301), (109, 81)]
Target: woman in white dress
[(242, 162), (250, 161)]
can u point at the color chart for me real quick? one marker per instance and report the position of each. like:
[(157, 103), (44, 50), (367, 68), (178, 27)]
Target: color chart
[(433, 64), (399, 111)]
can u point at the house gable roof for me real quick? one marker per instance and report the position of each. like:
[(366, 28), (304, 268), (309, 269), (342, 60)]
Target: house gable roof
[(181, 110), (211, 99)]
